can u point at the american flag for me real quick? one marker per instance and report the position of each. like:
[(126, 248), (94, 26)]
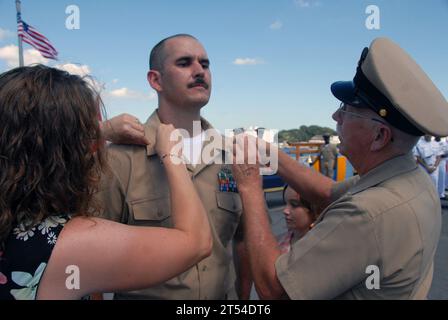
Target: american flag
[(37, 40)]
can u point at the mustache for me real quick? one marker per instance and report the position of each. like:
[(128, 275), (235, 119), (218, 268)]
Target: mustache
[(199, 81)]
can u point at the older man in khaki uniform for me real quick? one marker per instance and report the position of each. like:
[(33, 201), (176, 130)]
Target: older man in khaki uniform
[(378, 234), (136, 190)]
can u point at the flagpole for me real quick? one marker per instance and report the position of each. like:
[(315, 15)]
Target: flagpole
[(19, 18)]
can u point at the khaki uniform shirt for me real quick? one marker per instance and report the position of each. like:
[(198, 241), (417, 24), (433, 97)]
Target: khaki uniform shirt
[(328, 156), (329, 152), (389, 218), (136, 192)]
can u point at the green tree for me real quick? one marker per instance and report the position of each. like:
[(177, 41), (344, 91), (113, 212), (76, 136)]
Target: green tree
[(304, 133)]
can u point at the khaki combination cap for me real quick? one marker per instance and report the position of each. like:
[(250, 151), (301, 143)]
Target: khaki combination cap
[(392, 84)]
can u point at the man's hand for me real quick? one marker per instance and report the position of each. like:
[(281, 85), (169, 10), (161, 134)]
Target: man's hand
[(261, 245), (247, 176), (124, 129), (246, 169)]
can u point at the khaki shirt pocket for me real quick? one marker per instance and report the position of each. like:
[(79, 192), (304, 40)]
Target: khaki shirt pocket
[(227, 215), (229, 201), (151, 212)]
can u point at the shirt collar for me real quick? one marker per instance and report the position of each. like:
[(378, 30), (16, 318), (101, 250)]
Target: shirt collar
[(153, 123), (385, 171)]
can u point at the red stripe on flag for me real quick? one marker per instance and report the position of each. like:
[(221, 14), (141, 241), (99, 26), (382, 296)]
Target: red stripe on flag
[(37, 40), (37, 45), (44, 53), (44, 43), (40, 37)]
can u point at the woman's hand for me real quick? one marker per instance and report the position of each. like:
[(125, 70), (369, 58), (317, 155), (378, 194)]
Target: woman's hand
[(124, 129), (169, 141)]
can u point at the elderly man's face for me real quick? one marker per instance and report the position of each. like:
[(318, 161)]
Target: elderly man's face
[(355, 130)]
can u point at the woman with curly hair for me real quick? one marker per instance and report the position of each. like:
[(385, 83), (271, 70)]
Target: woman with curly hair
[(51, 158)]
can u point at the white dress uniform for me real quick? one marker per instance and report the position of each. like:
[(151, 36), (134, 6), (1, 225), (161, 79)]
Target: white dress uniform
[(428, 152), (443, 152)]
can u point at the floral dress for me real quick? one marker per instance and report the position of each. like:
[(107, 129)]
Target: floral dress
[(26, 254)]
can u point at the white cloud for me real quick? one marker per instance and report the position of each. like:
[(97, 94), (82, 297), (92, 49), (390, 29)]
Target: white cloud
[(10, 54), (276, 25), (125, 93), (307, 3), (84, 72), (80, 70), (121, 93), (6, 34), (302, 3), (247, 61)]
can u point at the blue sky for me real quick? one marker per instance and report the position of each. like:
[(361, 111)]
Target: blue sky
[(289, 51)]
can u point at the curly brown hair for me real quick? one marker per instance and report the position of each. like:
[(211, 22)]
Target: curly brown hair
[(51, 150)]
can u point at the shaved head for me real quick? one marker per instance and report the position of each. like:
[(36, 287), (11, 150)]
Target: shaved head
[(158, 55)]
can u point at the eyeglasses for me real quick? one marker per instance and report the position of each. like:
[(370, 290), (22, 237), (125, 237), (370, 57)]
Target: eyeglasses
[(343, 110)]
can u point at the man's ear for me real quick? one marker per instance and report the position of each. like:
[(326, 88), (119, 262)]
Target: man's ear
[(154, 80), (383, 137)]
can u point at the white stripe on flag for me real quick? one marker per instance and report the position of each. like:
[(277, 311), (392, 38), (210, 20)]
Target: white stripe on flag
[(37, 40)]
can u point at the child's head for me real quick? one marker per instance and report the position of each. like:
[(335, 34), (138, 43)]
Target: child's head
[(299, 213)]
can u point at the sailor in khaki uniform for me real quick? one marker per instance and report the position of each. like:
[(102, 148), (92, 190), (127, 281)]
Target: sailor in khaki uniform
[(328, 157), (136, 192), (377, 236)]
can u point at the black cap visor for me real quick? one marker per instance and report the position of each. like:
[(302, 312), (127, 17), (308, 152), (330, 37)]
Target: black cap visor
[(345, 92)]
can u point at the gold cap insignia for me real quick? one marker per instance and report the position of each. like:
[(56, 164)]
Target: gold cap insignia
[(383, 112)]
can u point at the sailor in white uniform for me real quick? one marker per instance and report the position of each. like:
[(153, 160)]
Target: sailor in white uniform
[(443, 152), (428, 157)]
